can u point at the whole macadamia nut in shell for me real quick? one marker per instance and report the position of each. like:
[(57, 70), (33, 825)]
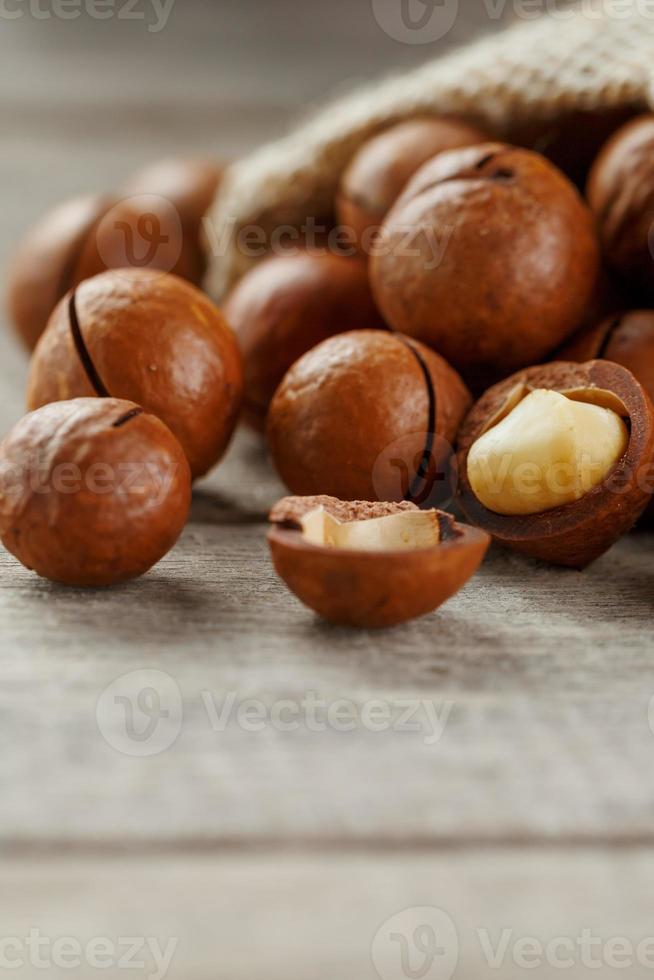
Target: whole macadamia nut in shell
[(92, 491), (366, 415), (490, 257), (624, 338), (189, 184), (150, 338), (285, 306), (381, 168), (44, 267), (620, 192), (157, 224)]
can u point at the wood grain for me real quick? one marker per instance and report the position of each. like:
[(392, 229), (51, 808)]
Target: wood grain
[(317, 917)]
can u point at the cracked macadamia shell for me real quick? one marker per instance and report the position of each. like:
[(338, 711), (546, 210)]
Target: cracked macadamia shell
[(372, 588), (44, 266), (576, 533), (285, 306), (153, 339), (620, 192), (92, 491), (379, 171), (366, 415), (490, 257)]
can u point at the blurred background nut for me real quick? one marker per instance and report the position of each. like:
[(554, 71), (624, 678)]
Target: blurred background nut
[(284, 307), (153, 339), (626, 338), (490, 257), (92, 491), (143, 232), (343, 403), (573, 138), (156, 224), (620, 192), (45, 263), (190, 185), (379, 171)]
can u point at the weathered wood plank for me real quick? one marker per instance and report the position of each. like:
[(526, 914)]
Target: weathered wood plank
[(544, 677), (302, 917)]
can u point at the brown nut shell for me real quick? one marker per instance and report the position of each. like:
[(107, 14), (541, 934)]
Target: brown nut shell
[(190, 184), (574, 534), (371, 590), (620, 192), (625, 338), (355, 417), (379, 171), (43, 268), (285, 306), (573, 137), (141, 232), (489, 256), (92, 491), (150, 338)]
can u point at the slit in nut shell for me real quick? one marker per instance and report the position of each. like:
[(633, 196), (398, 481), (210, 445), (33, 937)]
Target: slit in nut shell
[(371, 565)]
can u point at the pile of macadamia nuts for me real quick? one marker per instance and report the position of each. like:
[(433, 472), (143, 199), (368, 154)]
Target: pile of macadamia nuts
[(484, 341)]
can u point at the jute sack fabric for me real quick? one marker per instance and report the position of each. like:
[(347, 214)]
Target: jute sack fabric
[(601, 57)]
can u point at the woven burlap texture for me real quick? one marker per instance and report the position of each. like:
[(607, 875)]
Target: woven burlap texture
[(535, 70)]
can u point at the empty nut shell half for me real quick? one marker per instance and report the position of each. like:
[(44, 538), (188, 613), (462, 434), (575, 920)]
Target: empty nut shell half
[(576, 533), (371, 565)]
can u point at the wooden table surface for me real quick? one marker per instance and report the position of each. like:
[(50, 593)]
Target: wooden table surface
[(194, 756)]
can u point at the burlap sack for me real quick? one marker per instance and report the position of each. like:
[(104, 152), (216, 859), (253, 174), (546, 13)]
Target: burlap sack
[(519, 82)]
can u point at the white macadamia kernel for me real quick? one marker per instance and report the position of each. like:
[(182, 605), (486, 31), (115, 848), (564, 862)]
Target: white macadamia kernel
[(405, 531), (548, 451)]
